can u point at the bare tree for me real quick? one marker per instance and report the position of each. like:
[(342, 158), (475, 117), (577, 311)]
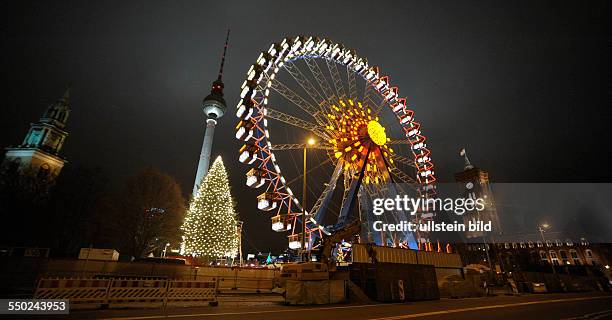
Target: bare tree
[(148, 213)]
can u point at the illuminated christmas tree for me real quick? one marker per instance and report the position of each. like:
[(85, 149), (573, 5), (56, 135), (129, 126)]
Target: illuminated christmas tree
[(210, 225)]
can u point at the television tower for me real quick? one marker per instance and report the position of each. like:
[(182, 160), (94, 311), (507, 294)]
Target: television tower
[(214, 107)]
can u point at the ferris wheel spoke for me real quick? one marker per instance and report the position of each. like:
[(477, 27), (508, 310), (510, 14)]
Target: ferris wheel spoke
[(335, 75), (352, 83), (298, 146), (299, 101), (403, 160), (401, 175), (399, 141), (321, 80), (379, 107), (297, 122), (310, 89), (367, 95)]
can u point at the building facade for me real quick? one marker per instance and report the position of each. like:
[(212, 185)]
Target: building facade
[(475, 183), (39, 153)]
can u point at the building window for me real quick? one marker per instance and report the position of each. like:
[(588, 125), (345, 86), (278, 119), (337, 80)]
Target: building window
[(539, 244), (584, 242), (590, 259), (523, 245), (553, 257), (43, 172), (569, 242), (564, 257), (558, 243), (530, 243), (548, 243), (543, 256), (514, 246), (507, 245), (575, 257)]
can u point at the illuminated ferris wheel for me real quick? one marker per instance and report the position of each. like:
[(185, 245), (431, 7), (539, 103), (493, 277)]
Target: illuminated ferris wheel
[(360, 130)]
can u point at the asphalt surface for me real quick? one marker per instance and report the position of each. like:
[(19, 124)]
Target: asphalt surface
[(583, 306)]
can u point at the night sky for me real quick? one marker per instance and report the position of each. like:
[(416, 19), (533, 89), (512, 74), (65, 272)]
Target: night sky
[(522, 85)]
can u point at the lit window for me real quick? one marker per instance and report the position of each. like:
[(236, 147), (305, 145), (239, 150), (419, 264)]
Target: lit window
[(575, 257), (530, 243), (589, 257), (553, 257), (564, 257)]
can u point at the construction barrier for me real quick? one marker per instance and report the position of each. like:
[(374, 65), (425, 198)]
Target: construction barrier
[(117, 293), (124, 293), (191, 292), (78, 291)]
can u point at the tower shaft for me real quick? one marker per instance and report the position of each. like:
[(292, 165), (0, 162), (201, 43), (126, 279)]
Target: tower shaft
[(204, 163)]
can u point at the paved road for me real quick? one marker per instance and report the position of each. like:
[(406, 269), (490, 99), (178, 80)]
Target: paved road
[(540, 307)]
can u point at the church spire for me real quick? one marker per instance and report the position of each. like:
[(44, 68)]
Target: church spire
[(66, 96), (468, 164), (57, 113)]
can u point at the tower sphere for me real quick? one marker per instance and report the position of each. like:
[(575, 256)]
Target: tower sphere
[(214, 105)]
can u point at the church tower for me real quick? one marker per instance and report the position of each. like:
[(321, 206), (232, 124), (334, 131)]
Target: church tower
[(476, 185), (38, 154), (214, 107)]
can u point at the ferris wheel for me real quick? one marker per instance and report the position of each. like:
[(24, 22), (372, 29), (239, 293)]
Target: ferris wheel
[(363, 131)]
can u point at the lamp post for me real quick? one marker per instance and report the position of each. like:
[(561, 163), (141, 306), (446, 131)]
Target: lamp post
[(541, 228), (311, 142), (166, 249), (239, 233)]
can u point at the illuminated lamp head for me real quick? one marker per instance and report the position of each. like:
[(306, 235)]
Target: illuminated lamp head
[(376, 132)]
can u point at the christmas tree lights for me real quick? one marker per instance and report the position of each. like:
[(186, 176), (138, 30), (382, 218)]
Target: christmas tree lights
[(209, 228)]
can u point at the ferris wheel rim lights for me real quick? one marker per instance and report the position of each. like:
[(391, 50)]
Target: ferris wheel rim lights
[(258, 83)]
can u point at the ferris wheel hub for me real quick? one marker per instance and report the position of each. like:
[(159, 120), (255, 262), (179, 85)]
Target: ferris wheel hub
[(377, 133)]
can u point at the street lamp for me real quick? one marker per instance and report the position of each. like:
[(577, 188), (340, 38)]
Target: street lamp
[(239, 233), (541, 228), (166, 249), (310, 142)]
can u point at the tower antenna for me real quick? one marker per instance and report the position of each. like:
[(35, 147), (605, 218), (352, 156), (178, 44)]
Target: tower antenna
[(223, 56)]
